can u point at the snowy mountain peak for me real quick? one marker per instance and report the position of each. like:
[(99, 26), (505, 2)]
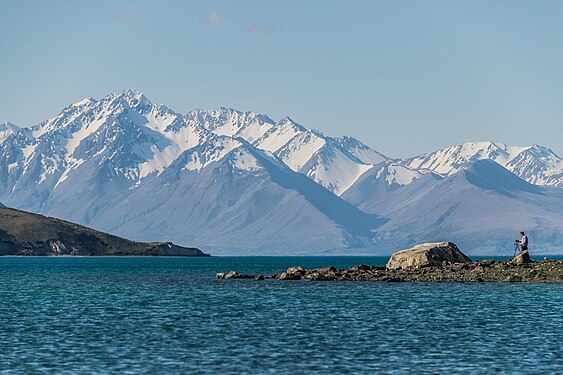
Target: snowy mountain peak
[(450, 160), (221, 176), (133, 95), (397, 174), (333, 162), (535, 164), (289, 122), (6, 125), (230, 122), (84, 102), (541, 151), (359, 150), (6, 129), (136, 100), (216, 149)]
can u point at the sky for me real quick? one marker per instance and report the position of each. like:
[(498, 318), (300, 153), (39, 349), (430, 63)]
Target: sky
[(404, 77)]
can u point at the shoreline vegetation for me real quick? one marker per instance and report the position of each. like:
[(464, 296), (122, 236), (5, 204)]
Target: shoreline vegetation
[(432, 262)]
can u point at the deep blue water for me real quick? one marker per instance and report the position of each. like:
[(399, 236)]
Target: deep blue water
[(169, 315)]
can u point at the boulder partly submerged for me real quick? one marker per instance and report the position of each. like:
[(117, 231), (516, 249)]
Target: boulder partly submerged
[(427, 255)]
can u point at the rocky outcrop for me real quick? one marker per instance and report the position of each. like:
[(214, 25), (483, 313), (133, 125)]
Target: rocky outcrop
[(427, 255), (430, 262), (24, 233), (483, 271)]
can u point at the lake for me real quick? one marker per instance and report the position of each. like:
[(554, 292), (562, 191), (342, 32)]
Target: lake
[(170, 315)]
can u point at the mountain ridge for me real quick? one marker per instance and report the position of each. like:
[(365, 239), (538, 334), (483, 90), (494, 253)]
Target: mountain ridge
[(473, 209), (206, 175)]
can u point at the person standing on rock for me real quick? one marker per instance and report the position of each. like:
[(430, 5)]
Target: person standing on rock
[(523, 241)]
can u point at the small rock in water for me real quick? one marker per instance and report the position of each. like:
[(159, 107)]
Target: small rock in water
[(235, 275)]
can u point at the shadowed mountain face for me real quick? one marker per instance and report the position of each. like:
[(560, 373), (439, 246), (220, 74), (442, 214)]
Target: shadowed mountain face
[(383, 178), (490, 176), (480, 208), (24, 233), (246, 199)]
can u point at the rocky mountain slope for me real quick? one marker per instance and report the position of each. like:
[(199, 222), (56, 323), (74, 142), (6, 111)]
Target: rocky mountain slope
[(24, 233), (235, 182), (480, 208), (140, 170), (535, 164)]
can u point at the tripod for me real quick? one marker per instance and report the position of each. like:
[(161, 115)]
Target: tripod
[(516, 248)]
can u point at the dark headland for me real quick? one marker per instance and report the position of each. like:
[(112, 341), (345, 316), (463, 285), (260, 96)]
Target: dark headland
[(431, 262), (24, 233)]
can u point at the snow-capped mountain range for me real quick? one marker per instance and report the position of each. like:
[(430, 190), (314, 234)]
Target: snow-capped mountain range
[(240, 182), (535, 164)]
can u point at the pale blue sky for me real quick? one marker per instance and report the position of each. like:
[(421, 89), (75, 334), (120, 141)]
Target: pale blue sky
[(405, 77)]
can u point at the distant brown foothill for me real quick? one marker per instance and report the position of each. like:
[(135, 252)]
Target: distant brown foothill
[(25, 233)]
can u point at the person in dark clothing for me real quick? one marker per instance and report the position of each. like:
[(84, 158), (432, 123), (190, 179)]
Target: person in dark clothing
[(523, 241)]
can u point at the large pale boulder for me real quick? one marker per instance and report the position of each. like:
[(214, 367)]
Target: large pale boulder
[(292, 273), (427, 255), (522, 257)]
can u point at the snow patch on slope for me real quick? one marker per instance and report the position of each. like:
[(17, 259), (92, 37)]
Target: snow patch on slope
[(299, 150), (334, 170), (535, 164), (7, 129), (279, 135), (398, 174), (210, 152)]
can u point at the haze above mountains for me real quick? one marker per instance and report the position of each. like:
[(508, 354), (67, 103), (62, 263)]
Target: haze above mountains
[(232, 182)]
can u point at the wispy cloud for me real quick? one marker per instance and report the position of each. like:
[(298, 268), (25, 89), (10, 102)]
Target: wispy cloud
[(258, 29), (127, 14), (214, 17)]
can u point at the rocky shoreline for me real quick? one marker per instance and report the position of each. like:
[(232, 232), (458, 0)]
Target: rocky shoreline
[(432, 267)]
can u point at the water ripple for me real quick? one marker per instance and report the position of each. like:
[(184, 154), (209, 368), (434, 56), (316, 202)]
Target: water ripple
[(159, 315)]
